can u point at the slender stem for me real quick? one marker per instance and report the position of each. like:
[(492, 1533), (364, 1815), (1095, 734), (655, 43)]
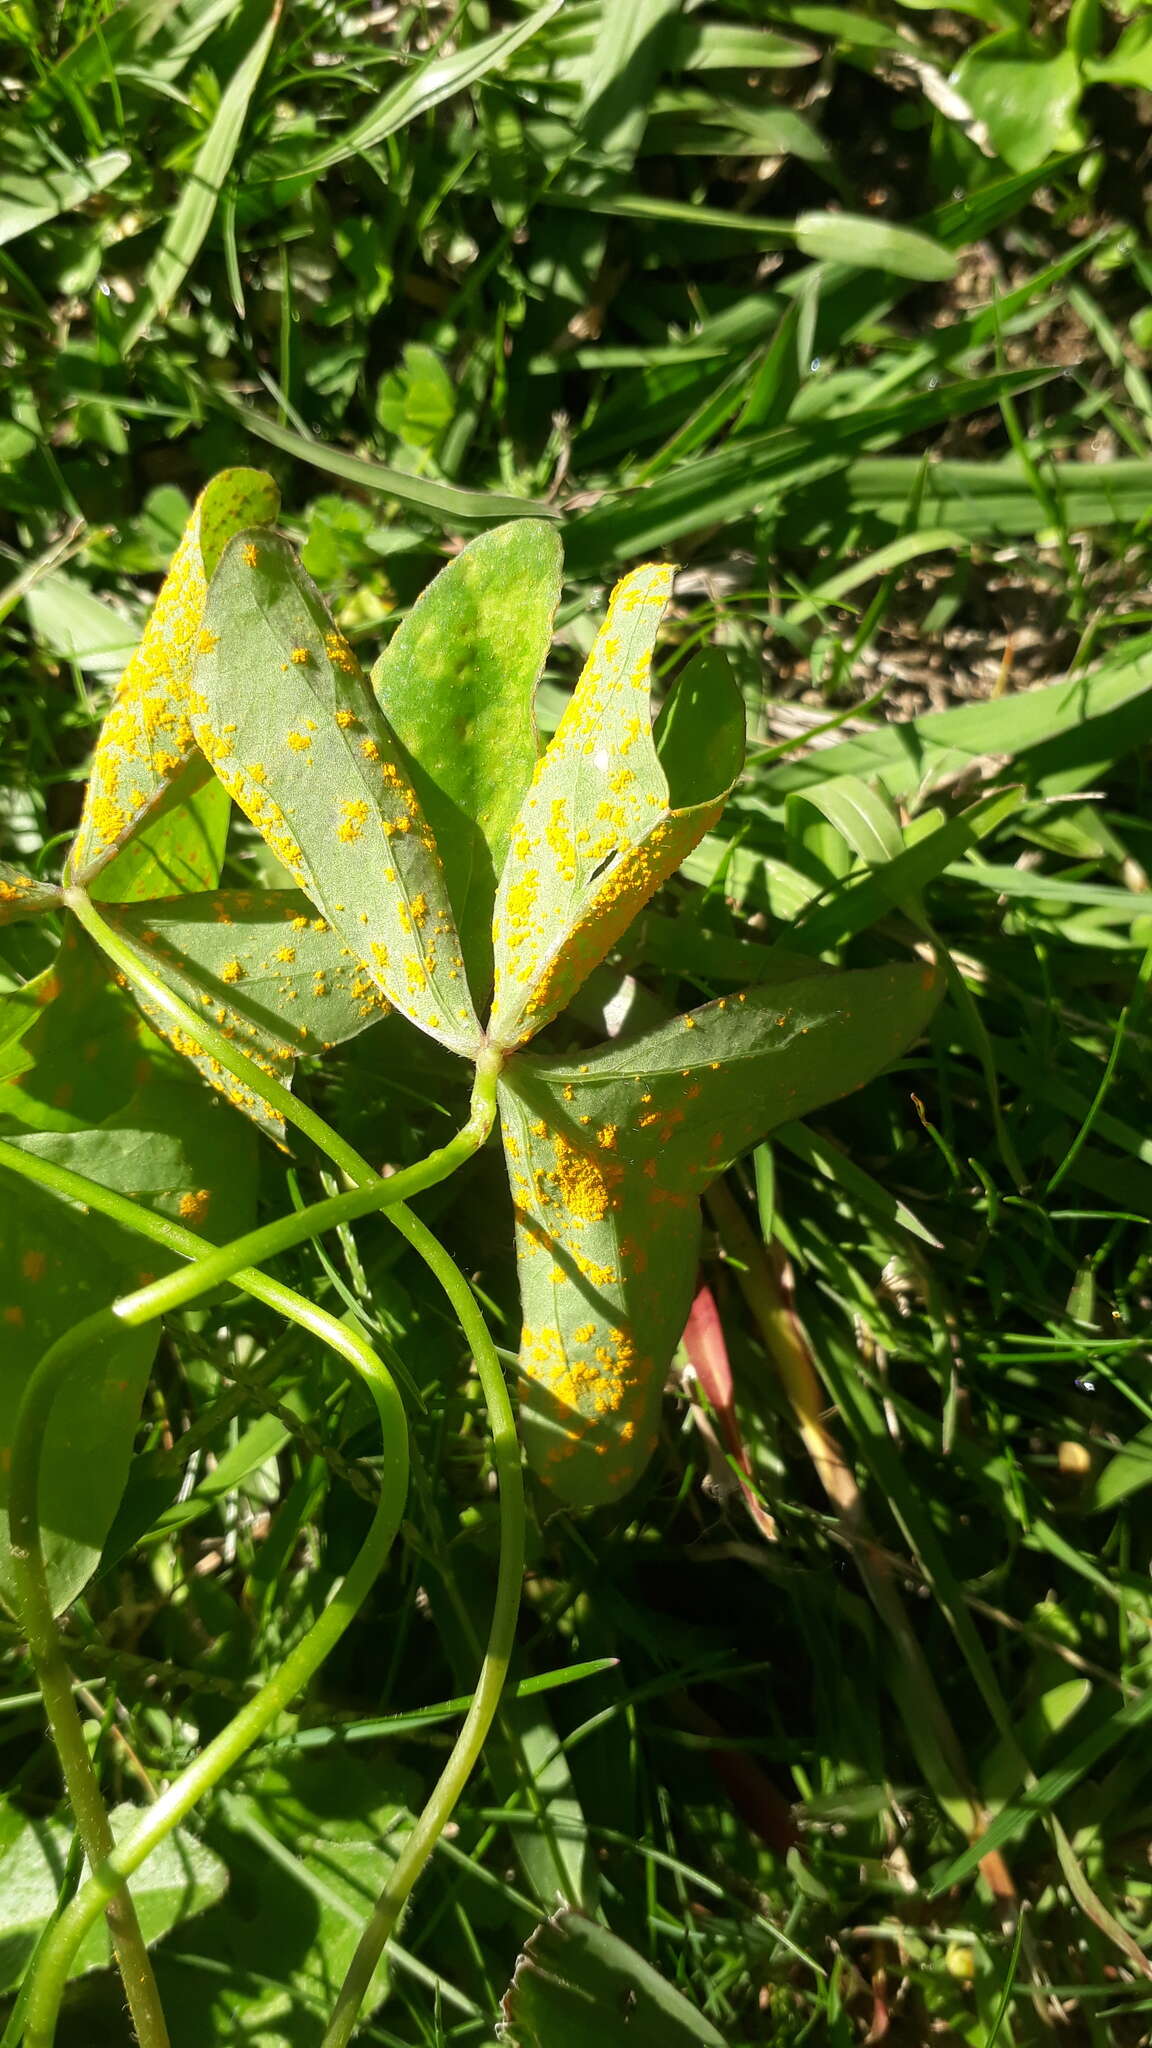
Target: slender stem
[(86, 1800), (176, 1289), (501, 1638), (113, 1865)]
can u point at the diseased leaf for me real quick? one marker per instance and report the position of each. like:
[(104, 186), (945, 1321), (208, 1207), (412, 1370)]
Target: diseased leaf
[(180, 844), (173, 1151), (265, 969), (601, 827), (280, 704), (147, 735), (456, 686), (607, 1265), (608, 1158), (23, 895)]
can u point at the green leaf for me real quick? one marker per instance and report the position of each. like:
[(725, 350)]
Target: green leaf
[(1054, 1784), (914, 755), (19, 1010), (873, 245), (147, 735), (24, 895), (417, 402), (456, 685), (907, 547), (28, 200), (1130, 63), (441, 501), (282, 709), (192, 215), (848, 25), (1047, 1715), (689, 45), (556, 1856), (696, 124), (54, 1270), (755, 472), (863, 818), (174, 1152), (602, 826), (437, 78), (697, 45), (180, 1878), (618, 77), (989, 500), (77, 626), (309, 1843), (1129, 1469), (578, 1986), (1026, 97), (608, 1157), (699, 734), (269, 973), (79, 1057), (81, 70)]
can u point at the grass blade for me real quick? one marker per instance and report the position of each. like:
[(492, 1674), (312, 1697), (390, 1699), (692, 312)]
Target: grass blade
[(443, 501), (433, 81), (184, 236)]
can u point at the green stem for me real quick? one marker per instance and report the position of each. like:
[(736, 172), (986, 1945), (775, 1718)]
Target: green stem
[(87, 1803), (383, 1194), (112, 1865), (501, 1638)]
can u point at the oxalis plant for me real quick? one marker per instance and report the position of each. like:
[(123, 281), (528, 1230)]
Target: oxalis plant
[(444, 869)]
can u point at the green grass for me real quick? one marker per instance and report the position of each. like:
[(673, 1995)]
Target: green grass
[(574, 281)]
